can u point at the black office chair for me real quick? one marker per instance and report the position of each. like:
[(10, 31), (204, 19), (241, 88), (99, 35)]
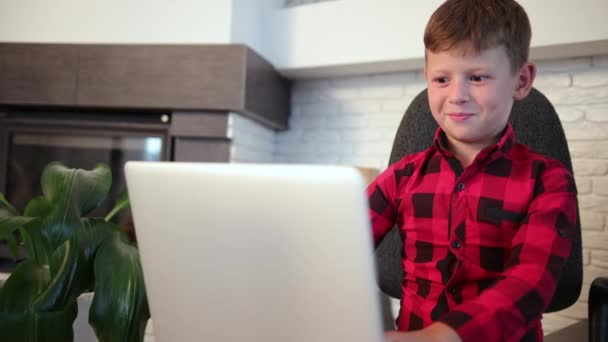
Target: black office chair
[(537, 125)]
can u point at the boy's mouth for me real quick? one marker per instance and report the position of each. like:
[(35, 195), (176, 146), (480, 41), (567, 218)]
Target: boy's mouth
[(460, 116)]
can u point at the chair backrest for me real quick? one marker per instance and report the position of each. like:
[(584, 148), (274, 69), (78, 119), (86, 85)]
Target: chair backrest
[(537, 125)]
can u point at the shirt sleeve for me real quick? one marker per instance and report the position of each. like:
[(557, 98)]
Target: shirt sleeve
[(382, 208), (539, 250)]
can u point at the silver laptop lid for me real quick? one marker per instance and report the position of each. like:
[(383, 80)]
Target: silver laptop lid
[(245, 252)]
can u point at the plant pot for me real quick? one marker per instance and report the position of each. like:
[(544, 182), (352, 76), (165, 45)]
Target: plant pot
[(83, 332)]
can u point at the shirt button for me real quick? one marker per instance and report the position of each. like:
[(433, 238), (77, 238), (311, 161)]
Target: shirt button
[(456, 244), (460, 186)]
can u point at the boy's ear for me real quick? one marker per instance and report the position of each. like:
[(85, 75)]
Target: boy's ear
[(525, 79)]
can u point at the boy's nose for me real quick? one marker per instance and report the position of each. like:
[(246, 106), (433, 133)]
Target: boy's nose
[(459, 92)]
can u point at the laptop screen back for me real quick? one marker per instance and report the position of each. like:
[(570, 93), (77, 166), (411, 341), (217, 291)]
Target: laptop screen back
[(245, 252)]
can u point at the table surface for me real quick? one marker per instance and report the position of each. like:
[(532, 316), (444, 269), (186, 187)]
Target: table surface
[(577, 332)]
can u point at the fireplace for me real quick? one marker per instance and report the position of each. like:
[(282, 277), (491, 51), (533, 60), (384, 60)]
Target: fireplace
[(85, 104), (80, 140)]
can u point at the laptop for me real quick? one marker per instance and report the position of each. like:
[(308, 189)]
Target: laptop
[(255, 252)]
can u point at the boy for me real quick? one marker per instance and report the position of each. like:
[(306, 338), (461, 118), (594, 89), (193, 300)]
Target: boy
[(485, 221)]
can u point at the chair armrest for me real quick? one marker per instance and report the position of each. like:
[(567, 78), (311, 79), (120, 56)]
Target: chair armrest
[(598, 310)]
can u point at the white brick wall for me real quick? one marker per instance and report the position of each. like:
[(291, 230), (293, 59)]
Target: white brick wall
[(350, 120), (251, 141), (353, 120)]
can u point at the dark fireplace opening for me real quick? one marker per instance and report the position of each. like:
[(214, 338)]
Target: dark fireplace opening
[(32, 138)]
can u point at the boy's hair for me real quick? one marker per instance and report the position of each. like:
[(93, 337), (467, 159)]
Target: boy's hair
[(485, 24)]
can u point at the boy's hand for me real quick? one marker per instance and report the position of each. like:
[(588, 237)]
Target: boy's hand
[(436, 332)]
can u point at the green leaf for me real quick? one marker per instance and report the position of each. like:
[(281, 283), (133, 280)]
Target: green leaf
[(19, 321), (59, 227), (37, 207), (38, 301), (72, 194), (56, 325), (12, 244), (119, 311), (36, 245), (94, 231), (5, 204), (66, 266), (77, 189), (34, 241), (23, 286), (92, 234), (53, 326), (121, 203), (10, 221)]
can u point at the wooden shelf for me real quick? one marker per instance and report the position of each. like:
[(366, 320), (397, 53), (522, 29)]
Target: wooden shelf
[(229, 78)]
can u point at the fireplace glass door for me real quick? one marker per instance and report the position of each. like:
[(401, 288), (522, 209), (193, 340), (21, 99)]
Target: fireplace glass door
[(29, 153), (28, 146)]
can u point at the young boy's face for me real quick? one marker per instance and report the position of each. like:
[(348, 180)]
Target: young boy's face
[(471, 94)]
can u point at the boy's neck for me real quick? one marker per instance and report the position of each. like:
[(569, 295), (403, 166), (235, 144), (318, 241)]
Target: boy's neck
[(466, 152)]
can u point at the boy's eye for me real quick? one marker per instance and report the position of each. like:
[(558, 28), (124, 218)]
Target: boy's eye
[(440, 80), (478, 78)]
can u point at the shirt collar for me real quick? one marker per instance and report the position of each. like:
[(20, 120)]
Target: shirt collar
[(504, 144)]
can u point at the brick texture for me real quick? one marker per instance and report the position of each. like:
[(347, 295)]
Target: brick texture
[(251, 141)]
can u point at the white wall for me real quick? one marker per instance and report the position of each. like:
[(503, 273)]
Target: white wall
[(115, 21), (249, 19), (353, 36), (348, 32), (320, 39), (353, 120), (136, 21)]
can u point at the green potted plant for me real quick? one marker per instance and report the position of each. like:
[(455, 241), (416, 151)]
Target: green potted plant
[(68, 254)]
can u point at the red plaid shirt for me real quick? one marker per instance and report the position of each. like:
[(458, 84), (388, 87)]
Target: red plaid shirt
[(484, 245)]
